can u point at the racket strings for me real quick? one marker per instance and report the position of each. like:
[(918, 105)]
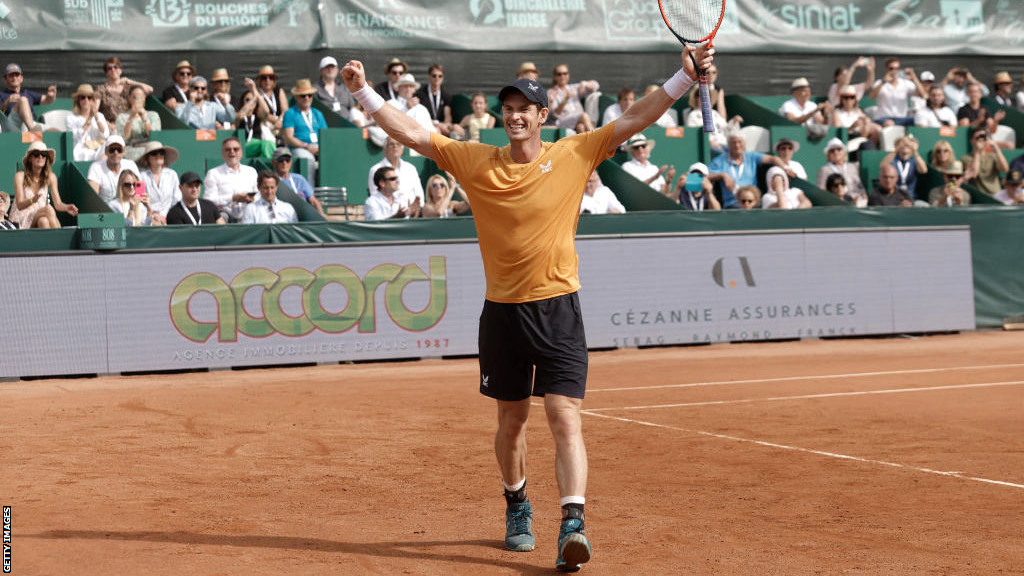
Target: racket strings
[(693, 20)]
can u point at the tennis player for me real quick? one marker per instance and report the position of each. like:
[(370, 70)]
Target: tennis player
[(526, 202)]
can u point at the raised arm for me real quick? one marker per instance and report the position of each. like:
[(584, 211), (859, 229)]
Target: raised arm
[(392, 120), (648, 109)]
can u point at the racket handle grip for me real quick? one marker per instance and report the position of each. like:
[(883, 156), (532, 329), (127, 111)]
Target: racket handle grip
[(705, 103)]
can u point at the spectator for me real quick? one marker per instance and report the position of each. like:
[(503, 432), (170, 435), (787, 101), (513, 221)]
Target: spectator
[(529, 71), (439, 103), (251, 117), (177, 92), (836, 184), (983, 163), (748, 198), (202, 113), (274, 97), (800, 108), (1019, 97), (1017, 164), (887, 194), (641, 168), (917, 103), (5, 222), (695, 119), (565, 100), (267, 209), (18, 103), (479, 119), (386, 202), (330, 90), (1012, 193), (891, 94), (295, 182), (161, 181), (103, 174), (220, 91), (737, 168), (908, 163), (669, 119), (439, 202), (780, 195), (1002, 89), (599, 199), (835, 152), (942, 155), (974, 114), (137, 123), (113, 94), (843, 77), (950, 194), (302, 124), (715, 94), (34, 187), (192, 209), (89, 129), (625, 99), (694, 190), (935, 113), (132, 200), (407, 102), (955, 86), (785, 149), (394, 70), (849, 115), (231, 185), (409, 184)]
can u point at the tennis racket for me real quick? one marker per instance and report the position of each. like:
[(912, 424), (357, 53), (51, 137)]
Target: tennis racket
[(693, 22)]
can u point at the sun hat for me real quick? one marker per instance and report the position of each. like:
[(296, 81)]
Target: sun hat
[(955, 169), (184, 64), (638, 139), (533, 91), (848, 90), (408, 79), (266, 70), (393, 62), (1002, 78), (170, 153), (220, 74), (83, 90), (527, 67), (795, 144), (38, 146), (799, 83), (303, 86)]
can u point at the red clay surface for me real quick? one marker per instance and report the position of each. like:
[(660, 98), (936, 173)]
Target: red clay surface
[(388, 468)]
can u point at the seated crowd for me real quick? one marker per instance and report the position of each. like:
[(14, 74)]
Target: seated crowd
[(110, 127)]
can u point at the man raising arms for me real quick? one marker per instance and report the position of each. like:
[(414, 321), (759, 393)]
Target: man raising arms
[(526, 199)]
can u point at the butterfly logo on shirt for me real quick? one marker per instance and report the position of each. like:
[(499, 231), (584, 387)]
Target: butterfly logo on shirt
[(545, 167)]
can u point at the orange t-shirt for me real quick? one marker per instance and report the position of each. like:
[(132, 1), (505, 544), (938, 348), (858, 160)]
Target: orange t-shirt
[(526, 214)]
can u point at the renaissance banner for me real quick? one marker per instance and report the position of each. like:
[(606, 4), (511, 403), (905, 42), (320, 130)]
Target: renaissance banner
[(994, 27), (173, 311)]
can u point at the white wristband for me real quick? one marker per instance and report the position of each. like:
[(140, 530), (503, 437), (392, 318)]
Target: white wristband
[(368, 99), (677, 85)]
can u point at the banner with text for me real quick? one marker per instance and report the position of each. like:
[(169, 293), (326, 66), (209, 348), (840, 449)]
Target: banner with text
[(812, 26), (170, 311)]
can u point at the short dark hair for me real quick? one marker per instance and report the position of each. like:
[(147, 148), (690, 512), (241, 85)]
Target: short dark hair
[(229, 139), (380, 174), (265, 175), (834, 180)]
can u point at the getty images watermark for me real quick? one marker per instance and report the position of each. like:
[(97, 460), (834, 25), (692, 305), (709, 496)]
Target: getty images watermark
[(7, 539)]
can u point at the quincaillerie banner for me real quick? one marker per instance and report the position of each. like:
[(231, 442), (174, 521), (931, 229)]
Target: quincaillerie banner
[(994, 27)]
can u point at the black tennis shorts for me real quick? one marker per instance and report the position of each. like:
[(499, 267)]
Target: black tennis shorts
[(533, 348)]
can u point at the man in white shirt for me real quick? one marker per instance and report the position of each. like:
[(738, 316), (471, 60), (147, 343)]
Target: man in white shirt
[(800, 108), (387, 202), (268, 209), (640, 167), (408, 177), (103, 174), (231, 185), (626, 98), (892, 94), (599, 199)]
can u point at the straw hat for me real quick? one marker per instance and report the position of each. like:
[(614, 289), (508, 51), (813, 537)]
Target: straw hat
[(35, 146), (303, 86), (1003, 78), (527, 67), (793, 143), (83, 90), (184, 64), (408, 79), (637, 140), (220, 74), (266, 70), (799, 83), (394, 61), (955, 169), (170, 154)]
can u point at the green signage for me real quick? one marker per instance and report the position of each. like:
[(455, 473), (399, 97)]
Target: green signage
[(102, 231)]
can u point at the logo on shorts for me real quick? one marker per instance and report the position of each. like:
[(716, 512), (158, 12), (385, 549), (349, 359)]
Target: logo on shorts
[(483, 381), (545, 167)]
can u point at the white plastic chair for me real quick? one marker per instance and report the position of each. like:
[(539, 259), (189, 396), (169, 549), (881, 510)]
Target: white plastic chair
[(592, 106), (1005, 133), (758, 138), (890, 134), (56, 119)]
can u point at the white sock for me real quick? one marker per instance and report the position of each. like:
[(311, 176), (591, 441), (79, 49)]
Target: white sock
[(572, 500), (518, 486)]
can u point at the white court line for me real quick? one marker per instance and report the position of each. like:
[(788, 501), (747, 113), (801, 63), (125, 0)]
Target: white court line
[(820, 377), (809, 396), (952, 474)]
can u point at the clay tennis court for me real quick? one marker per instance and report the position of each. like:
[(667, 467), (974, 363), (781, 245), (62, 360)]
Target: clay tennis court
[(860, 456)]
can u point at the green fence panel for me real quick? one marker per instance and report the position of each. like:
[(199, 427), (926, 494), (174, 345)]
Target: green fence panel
[(345, 159), (817, 196), (13, 147), (76, 186), (634, 194), (334, 120), (927, 137), (757, 110)]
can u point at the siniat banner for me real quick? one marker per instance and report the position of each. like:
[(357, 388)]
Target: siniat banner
[(328, 304), (994, 27)]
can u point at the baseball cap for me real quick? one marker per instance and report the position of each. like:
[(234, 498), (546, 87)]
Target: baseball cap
[(113, 139), (927, 76), (835, 143), (12, 68), (282, 151), (698, 167), (533, 91), (799, 83), (327, 61), (189, 177), (1014, 177)]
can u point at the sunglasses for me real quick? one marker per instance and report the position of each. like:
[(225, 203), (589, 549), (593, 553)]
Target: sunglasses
[(14, 74), (638, 146), (395, 72), (85, 98), (158, 153), (438, 185), (128, 185), (184, 73), (115, 150), (392, 178), (284, 159), (264, 77), (37, 154), (221, 81), (561, 73), (304, 96), (953, 176), (847, 97), (784, 147), (437, 75), (894, 67), (746, 200), (981, 137), (199, 88)]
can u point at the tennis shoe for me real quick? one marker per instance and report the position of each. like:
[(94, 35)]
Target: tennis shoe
[(519, 527), (573, 546)]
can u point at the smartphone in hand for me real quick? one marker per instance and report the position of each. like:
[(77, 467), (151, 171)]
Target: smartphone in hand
[(140, 189)]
